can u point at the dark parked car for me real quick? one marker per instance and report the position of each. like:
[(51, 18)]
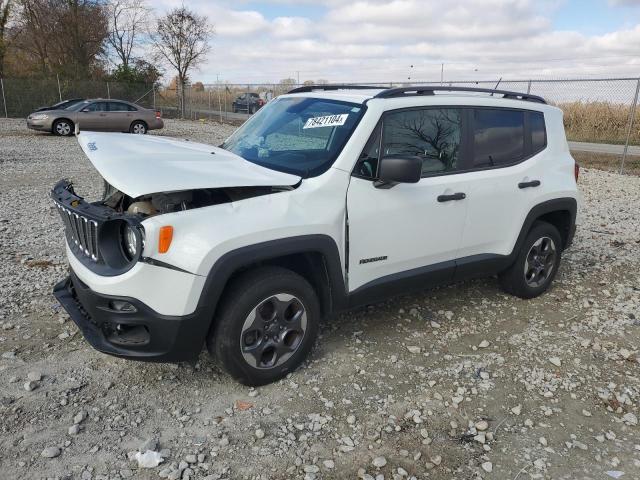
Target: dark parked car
[(248, 102), (97, 114), (60, 105)]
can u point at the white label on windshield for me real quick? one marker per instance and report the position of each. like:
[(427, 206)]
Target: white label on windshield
[(328, 121)]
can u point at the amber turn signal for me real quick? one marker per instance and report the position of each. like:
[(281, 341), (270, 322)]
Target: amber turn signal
[(164, 239)]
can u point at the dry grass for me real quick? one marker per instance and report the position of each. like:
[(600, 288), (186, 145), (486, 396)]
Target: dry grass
[(610, 163), (599, 122)]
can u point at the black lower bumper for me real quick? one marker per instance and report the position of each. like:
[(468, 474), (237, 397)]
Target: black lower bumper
[(126, 327)]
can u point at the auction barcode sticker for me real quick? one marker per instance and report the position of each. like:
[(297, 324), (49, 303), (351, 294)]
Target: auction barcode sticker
[(328, 121)]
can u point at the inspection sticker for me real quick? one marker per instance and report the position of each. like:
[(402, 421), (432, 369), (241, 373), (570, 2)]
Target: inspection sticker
[(328, 121)]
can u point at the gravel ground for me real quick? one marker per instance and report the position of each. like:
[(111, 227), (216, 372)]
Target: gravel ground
[(460, 382)]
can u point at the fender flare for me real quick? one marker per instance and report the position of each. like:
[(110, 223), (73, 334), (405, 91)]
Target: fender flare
[(234, 260), (568, 204)]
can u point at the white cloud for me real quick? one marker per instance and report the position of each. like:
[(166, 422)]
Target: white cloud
[(376, 40), (291, 27)]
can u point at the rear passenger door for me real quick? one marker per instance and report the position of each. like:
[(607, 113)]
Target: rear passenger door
[(119, 116), (507, 157)]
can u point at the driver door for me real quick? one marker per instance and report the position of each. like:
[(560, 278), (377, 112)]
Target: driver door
[(93, 116), (408, 231)]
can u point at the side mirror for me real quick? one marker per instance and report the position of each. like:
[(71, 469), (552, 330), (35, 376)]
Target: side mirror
[(84, 110), (399, 169)]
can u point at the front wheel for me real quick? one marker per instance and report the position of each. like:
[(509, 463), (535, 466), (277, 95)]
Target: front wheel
[(63, 128), (138, 127), (266, 326), (537, 262)]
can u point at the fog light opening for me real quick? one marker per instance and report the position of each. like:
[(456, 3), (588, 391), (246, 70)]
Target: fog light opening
[(128, 334), (122, 306)]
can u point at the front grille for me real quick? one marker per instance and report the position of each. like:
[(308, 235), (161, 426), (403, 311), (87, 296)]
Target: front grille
[(82, 231)]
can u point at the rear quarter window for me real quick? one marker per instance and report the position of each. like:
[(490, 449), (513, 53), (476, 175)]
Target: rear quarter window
[(498, 137), (538, 132)]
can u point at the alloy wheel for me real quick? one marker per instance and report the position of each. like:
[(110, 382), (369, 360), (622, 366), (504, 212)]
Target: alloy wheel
[(273, 331), (139, 129), (63, 128), (540, 262)]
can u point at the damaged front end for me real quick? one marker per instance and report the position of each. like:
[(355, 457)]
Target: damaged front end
[(170, 202), (106, 241), (108, 237), (109, 242)]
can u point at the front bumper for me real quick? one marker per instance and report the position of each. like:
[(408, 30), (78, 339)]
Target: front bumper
[(40, 125), (139, 333)]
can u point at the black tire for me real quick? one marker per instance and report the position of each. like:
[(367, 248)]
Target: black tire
[(252, 110), (533, 270), (62, 127), (138, 127), (231, 342)]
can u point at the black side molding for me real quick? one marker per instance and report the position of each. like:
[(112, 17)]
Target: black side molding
[(235, 260)]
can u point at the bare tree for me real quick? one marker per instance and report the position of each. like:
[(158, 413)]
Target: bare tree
[(181, 38), (127, 23), (5, 12)]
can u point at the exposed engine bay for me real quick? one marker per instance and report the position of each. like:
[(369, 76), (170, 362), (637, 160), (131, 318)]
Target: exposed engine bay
[(168, 202)]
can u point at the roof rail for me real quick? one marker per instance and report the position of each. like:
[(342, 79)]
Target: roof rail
[(430, 90), (311, 88)]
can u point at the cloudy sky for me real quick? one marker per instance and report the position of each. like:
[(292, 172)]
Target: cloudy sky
[(374, 41)]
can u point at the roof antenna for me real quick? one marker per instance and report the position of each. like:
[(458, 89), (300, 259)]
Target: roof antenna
[(496, 86)]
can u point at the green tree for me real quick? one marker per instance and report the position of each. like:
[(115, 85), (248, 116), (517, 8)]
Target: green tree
[(138, 71)]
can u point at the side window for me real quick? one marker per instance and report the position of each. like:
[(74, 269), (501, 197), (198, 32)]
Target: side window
[(432, 134), (118, 107), (498, 137), (367, 166), (97, 107), (538, 132)]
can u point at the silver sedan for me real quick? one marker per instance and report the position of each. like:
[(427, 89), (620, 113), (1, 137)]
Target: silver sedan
[(97, 114)]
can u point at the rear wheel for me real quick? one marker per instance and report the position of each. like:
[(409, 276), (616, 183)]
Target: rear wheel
[(537, 262), (266, 325), (63, 127), (138, 127)]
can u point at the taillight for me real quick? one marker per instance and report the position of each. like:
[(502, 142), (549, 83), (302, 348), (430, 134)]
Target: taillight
[(158, 114), (576, 170)]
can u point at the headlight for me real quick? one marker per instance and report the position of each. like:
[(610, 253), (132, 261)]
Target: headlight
[(130, 238), (39, 116)]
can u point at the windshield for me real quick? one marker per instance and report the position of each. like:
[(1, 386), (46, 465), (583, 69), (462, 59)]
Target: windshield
[(297, 135)]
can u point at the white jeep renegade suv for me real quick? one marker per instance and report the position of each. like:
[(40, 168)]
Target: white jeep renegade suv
[(328, 198)]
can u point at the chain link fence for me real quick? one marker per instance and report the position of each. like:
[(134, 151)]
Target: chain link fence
[(595, 110)]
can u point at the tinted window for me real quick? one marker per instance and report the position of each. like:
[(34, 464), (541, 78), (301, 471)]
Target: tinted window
[(119, 107), (97, 107), (538, 132), (498, 137), (432, 134)]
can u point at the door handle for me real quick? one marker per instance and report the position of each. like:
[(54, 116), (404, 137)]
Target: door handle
[(103, 114), (454, 196), (532, 183)]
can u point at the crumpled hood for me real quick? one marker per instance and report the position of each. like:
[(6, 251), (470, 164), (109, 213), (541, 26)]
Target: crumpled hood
[(143, 164)]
